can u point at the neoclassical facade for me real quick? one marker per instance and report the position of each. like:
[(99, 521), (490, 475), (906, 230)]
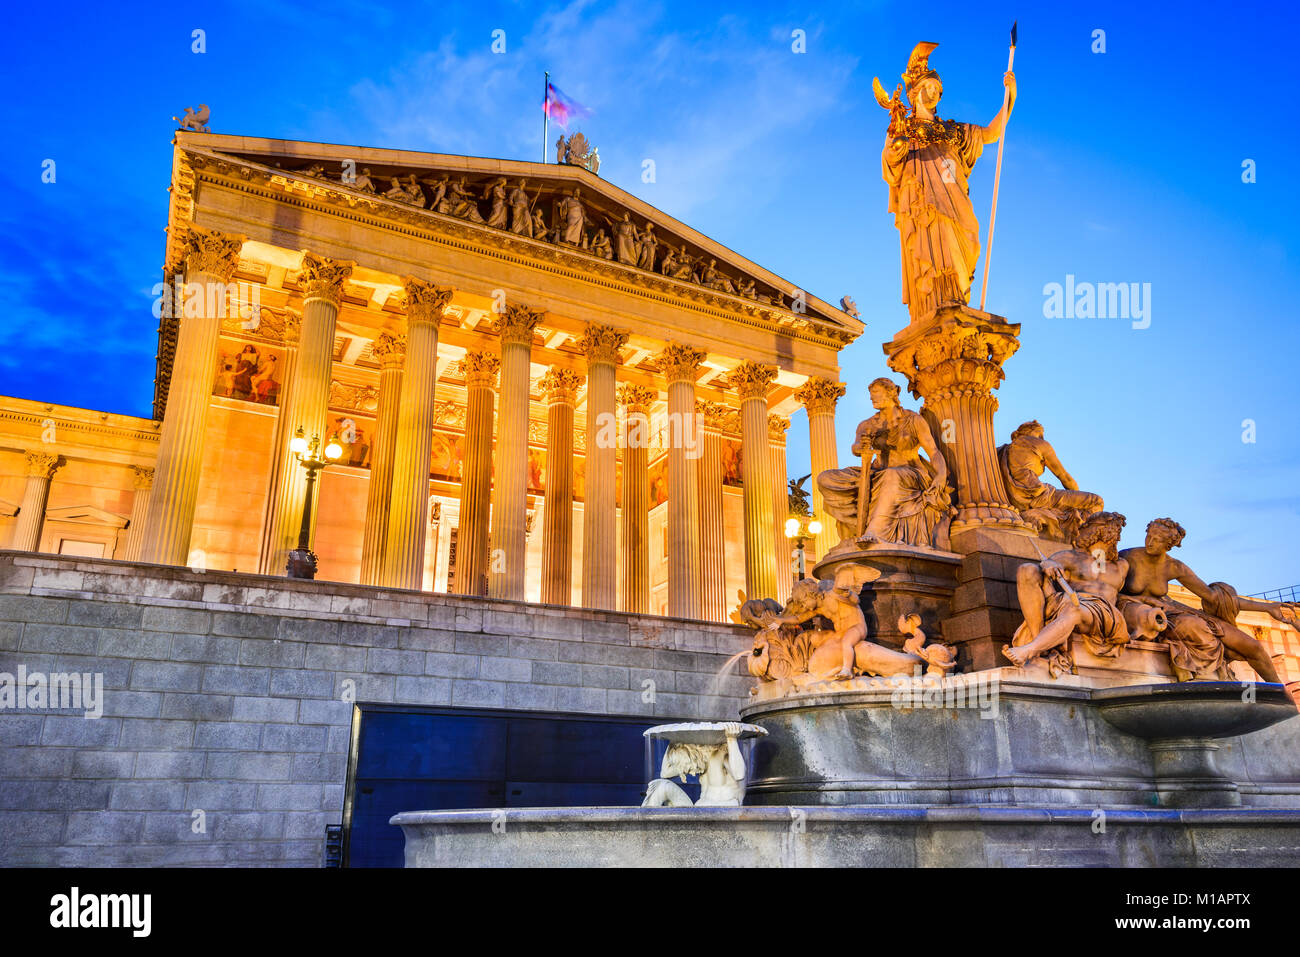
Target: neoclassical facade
[(544, 388)]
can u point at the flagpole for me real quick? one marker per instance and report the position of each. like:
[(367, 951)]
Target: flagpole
[(997, 175), (546, 113)]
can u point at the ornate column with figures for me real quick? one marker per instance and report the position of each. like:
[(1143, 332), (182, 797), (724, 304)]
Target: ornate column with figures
[(305, 402), (637, 401), (41, 466), (408, 517), (561, 388), (818, 397), (953, 362), (390, 350), (681, 367), (752, 380), (777, 425), (142, 479), (210, 258), (713, 552), (507, 563), (601, 345), (476, 473)]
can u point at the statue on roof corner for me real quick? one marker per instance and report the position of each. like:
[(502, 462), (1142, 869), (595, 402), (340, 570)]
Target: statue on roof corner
[(927, 163), (195, 120)]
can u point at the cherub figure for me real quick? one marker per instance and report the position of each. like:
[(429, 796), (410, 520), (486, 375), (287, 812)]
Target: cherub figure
[(720, 768), (840, 604)]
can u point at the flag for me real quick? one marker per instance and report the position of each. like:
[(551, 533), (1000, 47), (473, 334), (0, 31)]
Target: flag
[(561, 108)]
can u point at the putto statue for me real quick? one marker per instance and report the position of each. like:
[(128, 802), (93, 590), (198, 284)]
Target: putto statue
[(1201, 641), (895, 495), (1056, 512), (720, 768), (927, 163), (1074, 591)]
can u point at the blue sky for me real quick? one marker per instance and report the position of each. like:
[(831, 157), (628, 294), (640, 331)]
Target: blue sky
[(1123, 166)]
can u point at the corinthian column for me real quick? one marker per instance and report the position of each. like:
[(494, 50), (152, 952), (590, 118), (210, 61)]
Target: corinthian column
[(510, 491), (476, 473), (636, 400), (41, 467), (601, 345), (953, 362), (776, 429), (819, 396), (390, 350), (561, 388), (681, 367), (142, 477), (752, 379), (713, 575), (305, 403), (408, 510), (209, 259)]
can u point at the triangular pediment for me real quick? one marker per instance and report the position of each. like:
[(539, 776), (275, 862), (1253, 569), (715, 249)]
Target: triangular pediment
[(85, 515), (435, 186)]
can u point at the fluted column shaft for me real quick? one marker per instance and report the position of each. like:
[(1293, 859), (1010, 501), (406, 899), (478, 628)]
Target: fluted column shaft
[(408, 509), (305, 405), (41, 467), (637, 400), (210, 260), (507, 563), (561, 387), (756, 476), (476, 473), (819, 397), (681, 366), (390, 351), (601, 345), (776, 427), (713, 575), (143, 480)]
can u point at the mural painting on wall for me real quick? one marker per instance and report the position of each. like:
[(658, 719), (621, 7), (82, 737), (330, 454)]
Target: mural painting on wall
[(536, 470), (354, 434), (659, 482), (730, 462), (250, 373), (579, 478), (448, 455)]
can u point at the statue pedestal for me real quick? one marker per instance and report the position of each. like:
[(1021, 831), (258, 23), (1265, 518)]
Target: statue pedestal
[(953, 362), (913, 580)]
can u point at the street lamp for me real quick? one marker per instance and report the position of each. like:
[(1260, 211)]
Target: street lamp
[(302, 560), (799, 528)]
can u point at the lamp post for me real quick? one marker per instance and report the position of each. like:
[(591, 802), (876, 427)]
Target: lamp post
[(800, 528), (302, 560)]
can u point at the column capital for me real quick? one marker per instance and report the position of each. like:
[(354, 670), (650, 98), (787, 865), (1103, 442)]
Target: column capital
[(715, 415), (562, 385), (480, 368), (517, 323), (143, 477), (323, 278), (752, 379), (390, 350), (819, 396), (42, 464), (211, 251), (637, 398), (602, 343), (776, 427), (425, 301), (680, 363)]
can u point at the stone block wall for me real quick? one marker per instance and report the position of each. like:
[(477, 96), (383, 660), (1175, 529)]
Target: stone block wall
[(231, 695)]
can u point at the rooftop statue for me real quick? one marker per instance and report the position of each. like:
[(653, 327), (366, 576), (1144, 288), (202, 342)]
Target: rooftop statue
[(927, 163), (193, 119)]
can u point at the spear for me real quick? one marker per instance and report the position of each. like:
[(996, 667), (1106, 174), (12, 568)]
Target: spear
[(997, 175)]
